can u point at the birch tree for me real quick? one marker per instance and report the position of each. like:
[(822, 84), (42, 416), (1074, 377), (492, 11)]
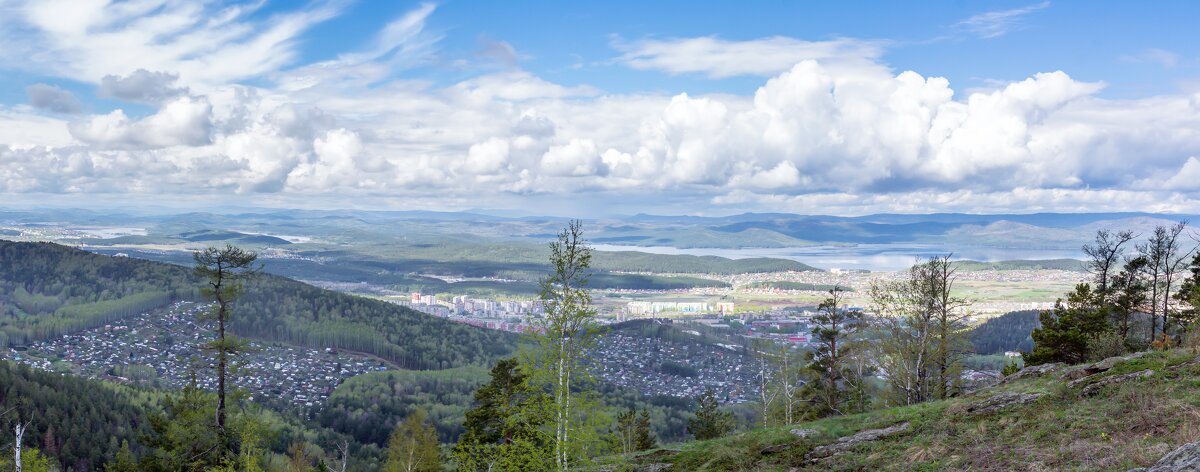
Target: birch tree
[(413, 446), (563, 335), (1104, 254), (764, 352), (19, 429), (951, 345), (788, 380), (924, 343), (1174, 261)]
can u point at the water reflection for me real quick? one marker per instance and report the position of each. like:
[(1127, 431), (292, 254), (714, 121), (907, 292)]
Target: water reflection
[(878, 257)]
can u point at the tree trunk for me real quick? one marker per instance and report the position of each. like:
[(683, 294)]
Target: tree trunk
[(19, 429)]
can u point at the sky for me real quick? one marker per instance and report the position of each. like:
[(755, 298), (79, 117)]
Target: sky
[(602, 108)]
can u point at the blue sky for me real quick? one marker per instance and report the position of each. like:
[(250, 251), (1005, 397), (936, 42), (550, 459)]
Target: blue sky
[(838, 107), (1093, 41)]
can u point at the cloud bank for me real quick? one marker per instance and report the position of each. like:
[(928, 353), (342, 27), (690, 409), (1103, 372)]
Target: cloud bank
[(830, 129)]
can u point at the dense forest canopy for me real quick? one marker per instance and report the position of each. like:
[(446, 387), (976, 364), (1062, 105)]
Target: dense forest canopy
[(76, 421), (1008, 332)]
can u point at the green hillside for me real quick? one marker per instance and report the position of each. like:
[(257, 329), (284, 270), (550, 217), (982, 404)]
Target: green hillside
[(78, 424), (55, 289), (1128, 416)]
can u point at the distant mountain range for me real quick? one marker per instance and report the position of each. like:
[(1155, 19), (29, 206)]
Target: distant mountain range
[(819, 240)]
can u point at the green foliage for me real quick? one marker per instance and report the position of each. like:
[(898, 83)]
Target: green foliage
[(271, 308), (1122, 427), (32, 460), (632, 432), (47, 290), (74, 421), (35, 304), (1008, 332), (223, 271), (185, 434), (1011, 368), (279, 309), (561, 339), (1074, 265), (368, 406), (710, 422), (675, 368), (504, 430), (650, 282), (1067, 330), (413, 446), (1189, 294), (827, 359), (125, 461)]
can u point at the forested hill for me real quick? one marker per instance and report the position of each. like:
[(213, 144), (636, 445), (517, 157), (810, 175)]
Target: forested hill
[(48, 289), (76, 421)]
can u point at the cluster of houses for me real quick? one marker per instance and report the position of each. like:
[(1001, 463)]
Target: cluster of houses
[(162, 348), (645, 364)]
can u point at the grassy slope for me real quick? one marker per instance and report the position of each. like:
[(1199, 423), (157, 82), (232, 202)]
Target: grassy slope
[(1124, 426)]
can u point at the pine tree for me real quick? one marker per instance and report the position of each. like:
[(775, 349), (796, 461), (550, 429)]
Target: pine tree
[(224, 271), (644, 437), (1067, 329), (710, 422), (124, 461), (827, 360), (504, 428)]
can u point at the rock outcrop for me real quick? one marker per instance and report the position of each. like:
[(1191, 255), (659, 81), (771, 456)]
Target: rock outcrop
[(849, 442), (801, 434), (1093, 386), (999, 402), (1185, 458), (1087, 370), (1034, 371)]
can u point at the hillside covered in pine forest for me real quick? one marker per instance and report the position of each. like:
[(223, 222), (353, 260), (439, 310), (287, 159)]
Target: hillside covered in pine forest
[(47, 290)]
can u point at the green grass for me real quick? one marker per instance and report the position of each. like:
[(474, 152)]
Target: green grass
[(1127, 425)]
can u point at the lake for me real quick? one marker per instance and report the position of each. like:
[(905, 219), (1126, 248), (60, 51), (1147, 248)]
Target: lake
[(876, 257)]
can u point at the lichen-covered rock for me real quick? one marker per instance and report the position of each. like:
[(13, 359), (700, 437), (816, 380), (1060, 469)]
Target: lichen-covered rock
[(802, 434), (1035, 371), (1087, 370), (1000, 401), (1185, 458), (1094, 387), (849, 442)]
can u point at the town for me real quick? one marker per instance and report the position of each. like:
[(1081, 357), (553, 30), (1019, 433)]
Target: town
[(161, 348), (660, 367)]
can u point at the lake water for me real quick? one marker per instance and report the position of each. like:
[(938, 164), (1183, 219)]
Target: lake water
[(878, 257)]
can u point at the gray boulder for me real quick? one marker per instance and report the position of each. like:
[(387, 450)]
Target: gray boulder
[(1093, 388), (1001, 401), (1185, 458), (1034, 371), (849, 442), (1087, 370)]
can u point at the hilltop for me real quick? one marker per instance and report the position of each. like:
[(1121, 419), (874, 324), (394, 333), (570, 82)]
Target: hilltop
[(57, 290), (1117, 414)]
